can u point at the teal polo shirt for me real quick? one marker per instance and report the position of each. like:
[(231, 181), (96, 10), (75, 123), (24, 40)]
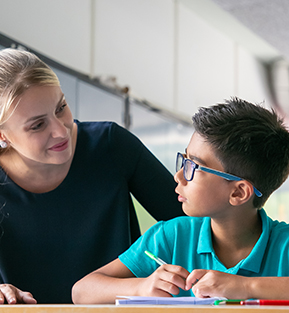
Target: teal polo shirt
[(187, 241)]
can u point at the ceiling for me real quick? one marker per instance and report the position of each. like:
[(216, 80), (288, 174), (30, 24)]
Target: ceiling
[(268, 19), (262, 26)]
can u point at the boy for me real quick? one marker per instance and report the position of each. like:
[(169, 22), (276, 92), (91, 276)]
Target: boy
[(237, 156)]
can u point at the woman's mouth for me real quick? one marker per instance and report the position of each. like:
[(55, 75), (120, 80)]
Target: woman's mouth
[(60, 146)]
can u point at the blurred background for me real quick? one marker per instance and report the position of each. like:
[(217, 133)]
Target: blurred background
[(149, 64)]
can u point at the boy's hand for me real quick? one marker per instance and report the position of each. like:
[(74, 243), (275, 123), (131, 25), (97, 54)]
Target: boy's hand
[(164, 282), (209, 283), (13, 295)]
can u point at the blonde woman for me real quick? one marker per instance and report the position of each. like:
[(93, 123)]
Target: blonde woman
[(65, 186)]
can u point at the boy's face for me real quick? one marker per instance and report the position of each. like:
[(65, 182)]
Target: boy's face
[(206, 194)]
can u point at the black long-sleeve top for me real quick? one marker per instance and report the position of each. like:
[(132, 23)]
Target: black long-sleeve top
[(48, 241)]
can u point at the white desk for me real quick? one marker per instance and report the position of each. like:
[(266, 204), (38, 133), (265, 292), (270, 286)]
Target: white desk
[(140, 309)]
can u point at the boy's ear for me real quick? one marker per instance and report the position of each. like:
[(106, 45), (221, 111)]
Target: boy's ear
[(241, 193)]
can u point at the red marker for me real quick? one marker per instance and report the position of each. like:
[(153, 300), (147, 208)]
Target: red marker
[(264, 302)]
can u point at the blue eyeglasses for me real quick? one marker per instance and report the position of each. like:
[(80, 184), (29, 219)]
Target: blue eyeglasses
[(190, 167)]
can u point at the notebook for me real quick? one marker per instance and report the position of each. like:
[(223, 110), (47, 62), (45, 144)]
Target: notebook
[(124, 300)]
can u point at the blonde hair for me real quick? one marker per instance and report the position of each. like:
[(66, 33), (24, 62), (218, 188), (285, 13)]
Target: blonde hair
[(20, 70)]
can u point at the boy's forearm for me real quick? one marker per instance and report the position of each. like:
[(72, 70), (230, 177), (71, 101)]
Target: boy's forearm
[(98, 288), (219, 284), (268, 287)]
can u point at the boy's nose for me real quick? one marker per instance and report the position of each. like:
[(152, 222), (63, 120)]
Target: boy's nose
[(179, 176)]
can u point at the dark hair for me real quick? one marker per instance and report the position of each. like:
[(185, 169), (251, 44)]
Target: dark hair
[(250, 141)]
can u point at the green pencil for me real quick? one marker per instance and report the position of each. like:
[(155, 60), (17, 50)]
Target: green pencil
[(155, 258)]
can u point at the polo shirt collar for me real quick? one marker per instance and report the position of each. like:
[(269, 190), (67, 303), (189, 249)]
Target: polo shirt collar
[(254, 260), (205, 239)]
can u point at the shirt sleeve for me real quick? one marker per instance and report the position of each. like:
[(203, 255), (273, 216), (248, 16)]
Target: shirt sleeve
[(148, 179), (154, 241)]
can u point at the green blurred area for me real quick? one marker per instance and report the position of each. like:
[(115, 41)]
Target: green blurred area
[(144, 218), (277, 206)]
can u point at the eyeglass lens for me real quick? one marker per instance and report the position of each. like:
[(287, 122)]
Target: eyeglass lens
[(179, 162), (189, 167)]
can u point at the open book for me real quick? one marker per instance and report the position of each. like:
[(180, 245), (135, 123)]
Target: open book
[(123, 300)]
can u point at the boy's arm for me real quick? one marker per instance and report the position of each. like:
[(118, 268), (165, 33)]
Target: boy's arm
[(103, 285), (115, 279), (218, 284)]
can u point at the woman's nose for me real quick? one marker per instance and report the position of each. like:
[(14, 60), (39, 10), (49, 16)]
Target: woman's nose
[(58, 129)]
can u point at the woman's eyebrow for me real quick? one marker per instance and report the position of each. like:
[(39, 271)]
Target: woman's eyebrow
[(33, 118), (61, 99)]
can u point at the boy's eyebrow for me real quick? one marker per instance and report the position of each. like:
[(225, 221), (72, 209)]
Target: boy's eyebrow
[(195, 158), (33, 118)]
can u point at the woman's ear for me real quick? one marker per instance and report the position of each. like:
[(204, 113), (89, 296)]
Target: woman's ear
[(3, 141), (242, 192)]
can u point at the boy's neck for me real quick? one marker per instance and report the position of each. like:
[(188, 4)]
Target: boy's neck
[(233, 240)]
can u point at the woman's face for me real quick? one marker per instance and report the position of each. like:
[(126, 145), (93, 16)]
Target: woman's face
[(41, 127)]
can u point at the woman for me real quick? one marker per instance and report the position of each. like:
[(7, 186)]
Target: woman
[(65, 186)]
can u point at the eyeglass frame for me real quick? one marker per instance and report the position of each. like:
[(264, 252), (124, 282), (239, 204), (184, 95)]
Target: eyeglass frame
[(211, 171)]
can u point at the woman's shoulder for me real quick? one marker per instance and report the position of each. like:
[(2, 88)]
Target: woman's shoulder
[(96, 130), (93, 133), (94, 126), (107, 135)]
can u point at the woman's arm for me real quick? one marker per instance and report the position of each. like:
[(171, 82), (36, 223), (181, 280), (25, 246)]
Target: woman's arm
[(149, 180), (13, 295)]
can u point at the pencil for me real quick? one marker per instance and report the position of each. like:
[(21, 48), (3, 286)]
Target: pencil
[(265, 302), (155, 258)]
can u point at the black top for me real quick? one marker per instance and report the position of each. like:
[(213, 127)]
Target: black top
[(51, 240)]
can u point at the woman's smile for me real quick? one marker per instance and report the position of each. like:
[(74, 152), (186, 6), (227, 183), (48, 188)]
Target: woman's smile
[(60, 146)]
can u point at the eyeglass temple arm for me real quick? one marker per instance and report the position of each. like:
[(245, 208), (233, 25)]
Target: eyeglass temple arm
[(228, 177)]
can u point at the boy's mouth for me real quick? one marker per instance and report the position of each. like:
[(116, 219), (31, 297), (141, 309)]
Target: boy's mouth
[(181, 198)]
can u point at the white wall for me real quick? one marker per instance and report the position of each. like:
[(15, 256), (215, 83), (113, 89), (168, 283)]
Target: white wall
[(206, 63), (134, 41), (59, 29), (165, 50), (252, 79)]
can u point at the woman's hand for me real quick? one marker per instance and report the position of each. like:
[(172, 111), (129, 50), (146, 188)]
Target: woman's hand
[(164, 282), (13, 295)]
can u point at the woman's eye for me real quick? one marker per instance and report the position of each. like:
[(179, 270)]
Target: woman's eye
[(37, 126), (61, 108)]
